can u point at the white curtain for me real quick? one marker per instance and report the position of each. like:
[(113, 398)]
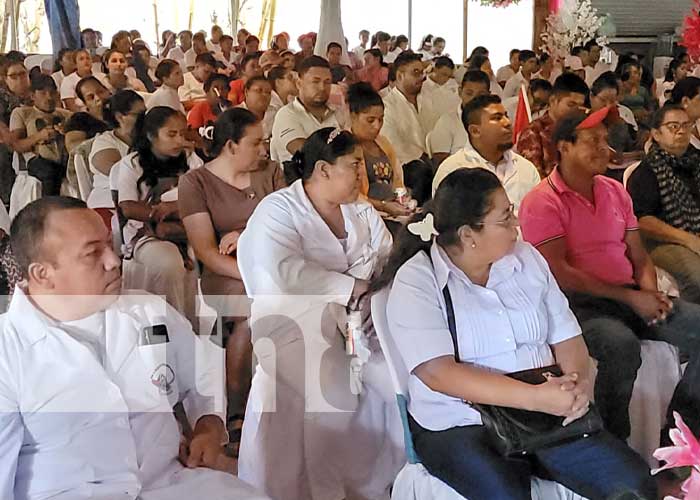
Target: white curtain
[(331, 30)]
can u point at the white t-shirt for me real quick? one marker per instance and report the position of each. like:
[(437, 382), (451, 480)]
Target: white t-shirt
[(268, 119), (191, 89), (58, 77), (294, 122), (189, 58), (130, 172), (68, 89), (359, 51), (213, 47), (437, 101), (165, 96), (101, 195), (504, 74), (449, 135), (392, 55), (131, 83), (513, 85)]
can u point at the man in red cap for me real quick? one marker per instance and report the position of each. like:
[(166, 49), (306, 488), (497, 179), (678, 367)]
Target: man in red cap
[(584, 225)]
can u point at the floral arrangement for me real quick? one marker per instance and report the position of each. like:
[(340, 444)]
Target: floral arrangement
[(498, 3), (690, 39), (575, 23), (685, 452)]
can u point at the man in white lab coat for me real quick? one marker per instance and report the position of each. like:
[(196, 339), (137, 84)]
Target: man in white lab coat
[(88, 378)]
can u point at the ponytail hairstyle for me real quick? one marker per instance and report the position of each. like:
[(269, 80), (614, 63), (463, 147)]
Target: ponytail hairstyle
[(327, 144), (145, 131), (120, 103), (462, 199), (231, 125)]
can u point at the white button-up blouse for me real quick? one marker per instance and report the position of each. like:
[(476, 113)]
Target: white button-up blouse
[(506, 326)]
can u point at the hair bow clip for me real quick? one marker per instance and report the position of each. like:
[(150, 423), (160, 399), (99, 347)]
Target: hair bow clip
[(333, 135), (425, 228), (207, 132)]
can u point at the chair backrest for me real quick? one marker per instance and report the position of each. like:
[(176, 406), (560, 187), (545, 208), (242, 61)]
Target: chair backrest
[(25, 190), (397, 369), (82, 168), (628, 173)]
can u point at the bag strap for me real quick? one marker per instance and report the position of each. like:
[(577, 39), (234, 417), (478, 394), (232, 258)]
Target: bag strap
[(451, 324)]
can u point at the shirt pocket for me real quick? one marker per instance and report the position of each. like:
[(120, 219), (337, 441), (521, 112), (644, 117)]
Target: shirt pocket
[(150, 379)]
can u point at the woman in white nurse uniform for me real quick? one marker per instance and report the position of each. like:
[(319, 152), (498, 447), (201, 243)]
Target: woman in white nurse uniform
[(313, 430)]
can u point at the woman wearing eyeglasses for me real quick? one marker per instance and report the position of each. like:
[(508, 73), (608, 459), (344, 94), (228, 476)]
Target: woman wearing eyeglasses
[(510, 316), (665, 189), (308, 253)]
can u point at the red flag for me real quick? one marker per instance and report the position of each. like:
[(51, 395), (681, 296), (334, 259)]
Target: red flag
[(523, 117)]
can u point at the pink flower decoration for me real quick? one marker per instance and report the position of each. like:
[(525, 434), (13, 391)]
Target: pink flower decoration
[(691, 32), (691, 486), (686, 451)]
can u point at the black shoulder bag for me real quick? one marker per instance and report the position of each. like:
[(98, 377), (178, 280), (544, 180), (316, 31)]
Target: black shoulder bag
[(515, 432)]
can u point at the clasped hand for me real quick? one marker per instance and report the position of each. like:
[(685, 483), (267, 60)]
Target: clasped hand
[(566, 396)]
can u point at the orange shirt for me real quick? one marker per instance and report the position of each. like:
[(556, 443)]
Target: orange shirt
[(237, 93), (200, 115)]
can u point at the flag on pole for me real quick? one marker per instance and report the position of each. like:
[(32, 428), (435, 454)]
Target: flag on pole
[(523, 116)]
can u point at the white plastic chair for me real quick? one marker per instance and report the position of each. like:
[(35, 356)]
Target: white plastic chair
[(414, 482), (25, 190)]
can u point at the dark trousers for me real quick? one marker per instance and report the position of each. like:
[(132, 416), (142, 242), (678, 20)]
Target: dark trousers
[(50, 173), (598, 467), (613, 334), (418, 177)]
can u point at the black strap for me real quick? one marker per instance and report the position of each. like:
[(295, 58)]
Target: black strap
[(451, 321)]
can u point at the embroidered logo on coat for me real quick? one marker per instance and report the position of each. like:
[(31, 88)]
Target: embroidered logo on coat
[(163, 377)]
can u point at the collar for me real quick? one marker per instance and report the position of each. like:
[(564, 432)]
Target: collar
[(501, 270), (299, 106), (470, 153), (559, 186)]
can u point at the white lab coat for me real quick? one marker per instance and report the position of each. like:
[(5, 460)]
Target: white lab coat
[(73, 427), (295, 269)]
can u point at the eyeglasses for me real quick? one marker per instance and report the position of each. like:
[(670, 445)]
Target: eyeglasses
[(675, 127), (511, 219)]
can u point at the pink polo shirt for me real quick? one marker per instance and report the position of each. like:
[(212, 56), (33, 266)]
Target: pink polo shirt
[(594, 232)]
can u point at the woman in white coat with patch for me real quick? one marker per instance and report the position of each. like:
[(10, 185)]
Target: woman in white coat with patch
[(318, 416)]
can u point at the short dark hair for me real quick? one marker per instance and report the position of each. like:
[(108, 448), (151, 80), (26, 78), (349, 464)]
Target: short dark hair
[(590, 44), (85, 122), (543, 58), (376, 53), (443, 62), (438, 39), (199, 36), (312, 62), (165, 68), (383, 36), (249, 57), (565, 129), (184, 32), (29, 227), (476, 76), (43, 82), (657, 119), (333, 45), (364, 32), (526, 55), (120, 103), (231, 125), (256, 79), (362, 96), (576, 51), (84, 81), (226, 38), (318, 147), (276, 73), (471, 113), (406, 58), (213, 79), (607, 80), (513, 52), (251, 39), (206, 58), (540, 84), (570, 83), (688, 87)]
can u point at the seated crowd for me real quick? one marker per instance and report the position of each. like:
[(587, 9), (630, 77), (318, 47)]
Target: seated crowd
[(283, 190)]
